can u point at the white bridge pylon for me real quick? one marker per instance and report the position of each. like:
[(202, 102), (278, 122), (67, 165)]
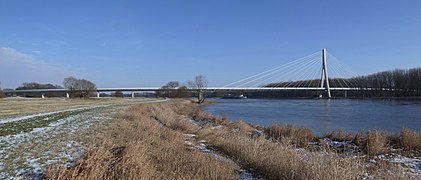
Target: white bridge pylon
[(325, 77), (303, 74)]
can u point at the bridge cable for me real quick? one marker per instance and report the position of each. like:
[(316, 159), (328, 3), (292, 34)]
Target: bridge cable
[(273, 69), (289, 74), (286, 73), (273, 72)]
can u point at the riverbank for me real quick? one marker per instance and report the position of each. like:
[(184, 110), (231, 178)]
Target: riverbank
[(176, 140)]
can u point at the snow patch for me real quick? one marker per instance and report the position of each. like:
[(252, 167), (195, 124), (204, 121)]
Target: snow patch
[(414, 164), (8, 120), (46, 145)]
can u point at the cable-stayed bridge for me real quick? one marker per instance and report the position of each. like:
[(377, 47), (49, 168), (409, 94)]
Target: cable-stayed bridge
[(311, 73), (319, 71)]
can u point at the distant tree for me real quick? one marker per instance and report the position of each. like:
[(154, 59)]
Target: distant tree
[(200, 83), (173, 84), (118, 94), (394, 83), (168, 89), (183, 92), (70, 83), (34, 85), (2, 95), (79, 87)]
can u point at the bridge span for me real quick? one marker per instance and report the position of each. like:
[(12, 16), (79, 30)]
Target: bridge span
[(310, 73), (208, 89)]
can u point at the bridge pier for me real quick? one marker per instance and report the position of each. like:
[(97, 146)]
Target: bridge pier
[(132, 94), (325, 77)]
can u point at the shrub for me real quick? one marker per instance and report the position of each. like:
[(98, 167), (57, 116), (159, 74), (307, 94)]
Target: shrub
[(410, 139), (340, 135), (359, 139), (290, 134), (376, 142), (2, 95)]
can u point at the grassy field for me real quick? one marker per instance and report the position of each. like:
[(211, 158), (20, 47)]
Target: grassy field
[(12, 107), (36, 133)]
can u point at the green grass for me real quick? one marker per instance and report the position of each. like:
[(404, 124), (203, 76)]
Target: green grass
[(36, 122)]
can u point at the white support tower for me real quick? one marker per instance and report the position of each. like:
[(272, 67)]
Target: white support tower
[(325, 77)]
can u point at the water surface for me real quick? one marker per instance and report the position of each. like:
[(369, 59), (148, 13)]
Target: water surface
[(323, 115)]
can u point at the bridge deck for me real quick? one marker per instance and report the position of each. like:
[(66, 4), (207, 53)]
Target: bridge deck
[(207, 89)]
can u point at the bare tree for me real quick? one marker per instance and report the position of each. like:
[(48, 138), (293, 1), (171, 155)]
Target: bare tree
[(200, 83), (79, 87), (182, 92), (70, 83), (173, 84), (118, 94), (167, 89)]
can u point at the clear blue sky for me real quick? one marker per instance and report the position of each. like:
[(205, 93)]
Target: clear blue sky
[(148, 43)]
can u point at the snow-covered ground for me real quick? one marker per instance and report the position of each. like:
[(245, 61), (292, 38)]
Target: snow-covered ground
[(413, 164), (22, 118), (26, 154)]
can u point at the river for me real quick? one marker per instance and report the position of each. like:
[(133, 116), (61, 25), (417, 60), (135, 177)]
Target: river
[(324, 115)]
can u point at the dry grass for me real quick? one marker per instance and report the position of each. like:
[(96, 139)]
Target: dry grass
[(147, 143), (138, 146), (340, 135), (376, 142), (10, 107), (359, 139), (410, 139), (290, 134), (277, 161)]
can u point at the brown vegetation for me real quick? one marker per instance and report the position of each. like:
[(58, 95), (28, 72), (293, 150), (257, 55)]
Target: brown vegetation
[(2, 95), (340, 135), (298, 136), (148, 142), (376, 143), (410, 140), (139, 146)]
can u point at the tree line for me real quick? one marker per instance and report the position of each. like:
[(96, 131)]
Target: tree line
[(174, 89), (83, 88), (393, 83), (397, 83)]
